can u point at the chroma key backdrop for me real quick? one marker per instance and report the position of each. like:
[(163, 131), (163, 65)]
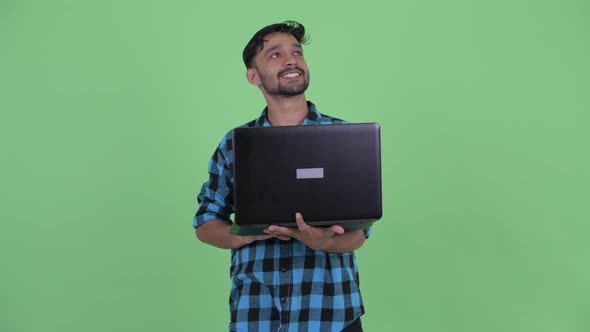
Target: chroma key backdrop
[(110, 111)]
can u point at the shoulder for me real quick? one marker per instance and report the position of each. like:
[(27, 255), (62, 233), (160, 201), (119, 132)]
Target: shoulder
[(247, 124), (326, 119), (226, 144), (321, 118)]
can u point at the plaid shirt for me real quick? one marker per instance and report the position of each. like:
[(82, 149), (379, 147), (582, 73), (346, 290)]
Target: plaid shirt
[(280, 285)]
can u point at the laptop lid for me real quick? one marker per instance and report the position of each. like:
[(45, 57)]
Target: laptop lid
[(331, 174)]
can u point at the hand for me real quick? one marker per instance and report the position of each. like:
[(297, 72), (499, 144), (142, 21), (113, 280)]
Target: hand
[(217, 233), (317, 238), (247, 239)]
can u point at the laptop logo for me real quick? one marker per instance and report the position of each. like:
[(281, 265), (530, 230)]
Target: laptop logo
[(309, 173)]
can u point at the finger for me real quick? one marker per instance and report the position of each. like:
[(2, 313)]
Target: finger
[(337, 229), (279, 230), (301, 223), (262, 237), (277, 235), (247, 239)]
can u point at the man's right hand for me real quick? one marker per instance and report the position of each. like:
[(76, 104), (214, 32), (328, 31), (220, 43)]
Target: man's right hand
[(247, 239), (216, 233)]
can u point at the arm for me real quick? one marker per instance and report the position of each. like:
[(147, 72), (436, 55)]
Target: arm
[(331, 239), (216, 205), (216, 233)]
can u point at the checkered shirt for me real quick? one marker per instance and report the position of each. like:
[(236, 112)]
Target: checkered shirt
[(280, 285)]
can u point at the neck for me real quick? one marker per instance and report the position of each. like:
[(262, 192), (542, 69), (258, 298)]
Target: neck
[(287, 111)]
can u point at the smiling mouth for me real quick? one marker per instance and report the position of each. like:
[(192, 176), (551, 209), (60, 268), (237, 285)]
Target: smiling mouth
[(292, 73)]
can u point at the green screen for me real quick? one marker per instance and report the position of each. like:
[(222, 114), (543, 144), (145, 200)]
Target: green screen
[(110, 111)]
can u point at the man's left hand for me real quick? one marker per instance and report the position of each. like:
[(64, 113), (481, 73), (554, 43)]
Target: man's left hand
[(317, 238)]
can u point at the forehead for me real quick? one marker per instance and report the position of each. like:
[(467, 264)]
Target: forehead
[(278, 38)]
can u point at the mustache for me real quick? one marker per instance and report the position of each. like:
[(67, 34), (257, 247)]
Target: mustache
[(301, 71)]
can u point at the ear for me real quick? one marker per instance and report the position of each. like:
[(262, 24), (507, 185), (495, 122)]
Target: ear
[(252, 76)]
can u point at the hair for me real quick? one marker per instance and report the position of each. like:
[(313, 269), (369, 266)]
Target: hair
[(256, 44)]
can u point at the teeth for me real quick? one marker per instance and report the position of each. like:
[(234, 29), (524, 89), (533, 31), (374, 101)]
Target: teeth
[(291, 75)]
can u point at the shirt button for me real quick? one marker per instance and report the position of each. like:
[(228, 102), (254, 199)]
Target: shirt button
[(283, 269), (283, 299)]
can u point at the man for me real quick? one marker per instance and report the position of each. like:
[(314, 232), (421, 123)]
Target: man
[(290, 279)]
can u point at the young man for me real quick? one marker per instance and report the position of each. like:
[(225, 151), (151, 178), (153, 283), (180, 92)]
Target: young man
[(291, 279)]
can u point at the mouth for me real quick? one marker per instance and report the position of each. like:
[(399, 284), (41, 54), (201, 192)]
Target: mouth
[(291, 73)]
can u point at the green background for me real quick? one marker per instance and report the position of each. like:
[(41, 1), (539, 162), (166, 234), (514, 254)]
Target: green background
[(110, 111)]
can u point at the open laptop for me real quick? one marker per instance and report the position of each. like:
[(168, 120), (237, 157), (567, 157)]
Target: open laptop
[(331, 174)]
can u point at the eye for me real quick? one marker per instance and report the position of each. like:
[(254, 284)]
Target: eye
[(274, 55), (298, 52)]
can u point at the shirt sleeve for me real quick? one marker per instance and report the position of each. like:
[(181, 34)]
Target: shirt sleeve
[(216, 196), (367, 232)]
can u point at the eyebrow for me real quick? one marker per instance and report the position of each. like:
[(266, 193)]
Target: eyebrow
[(268, 50)]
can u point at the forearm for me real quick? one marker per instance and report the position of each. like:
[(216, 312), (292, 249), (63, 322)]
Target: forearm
[(349, 241), (216, 233)]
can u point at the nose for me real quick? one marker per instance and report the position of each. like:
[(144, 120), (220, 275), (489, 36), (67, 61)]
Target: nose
[(290, 60)]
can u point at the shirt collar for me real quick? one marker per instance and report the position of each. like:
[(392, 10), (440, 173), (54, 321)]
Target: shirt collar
[(313, 117)]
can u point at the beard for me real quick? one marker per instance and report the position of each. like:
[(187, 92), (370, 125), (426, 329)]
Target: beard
[(289, 89)]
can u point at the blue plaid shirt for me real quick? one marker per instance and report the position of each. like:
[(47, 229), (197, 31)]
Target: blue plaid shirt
[(280, 285)]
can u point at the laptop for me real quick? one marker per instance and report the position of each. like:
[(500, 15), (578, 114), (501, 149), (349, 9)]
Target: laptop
[(330, 173)]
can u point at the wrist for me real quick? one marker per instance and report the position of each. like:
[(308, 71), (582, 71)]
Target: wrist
[(325, 244), (237, 241)]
